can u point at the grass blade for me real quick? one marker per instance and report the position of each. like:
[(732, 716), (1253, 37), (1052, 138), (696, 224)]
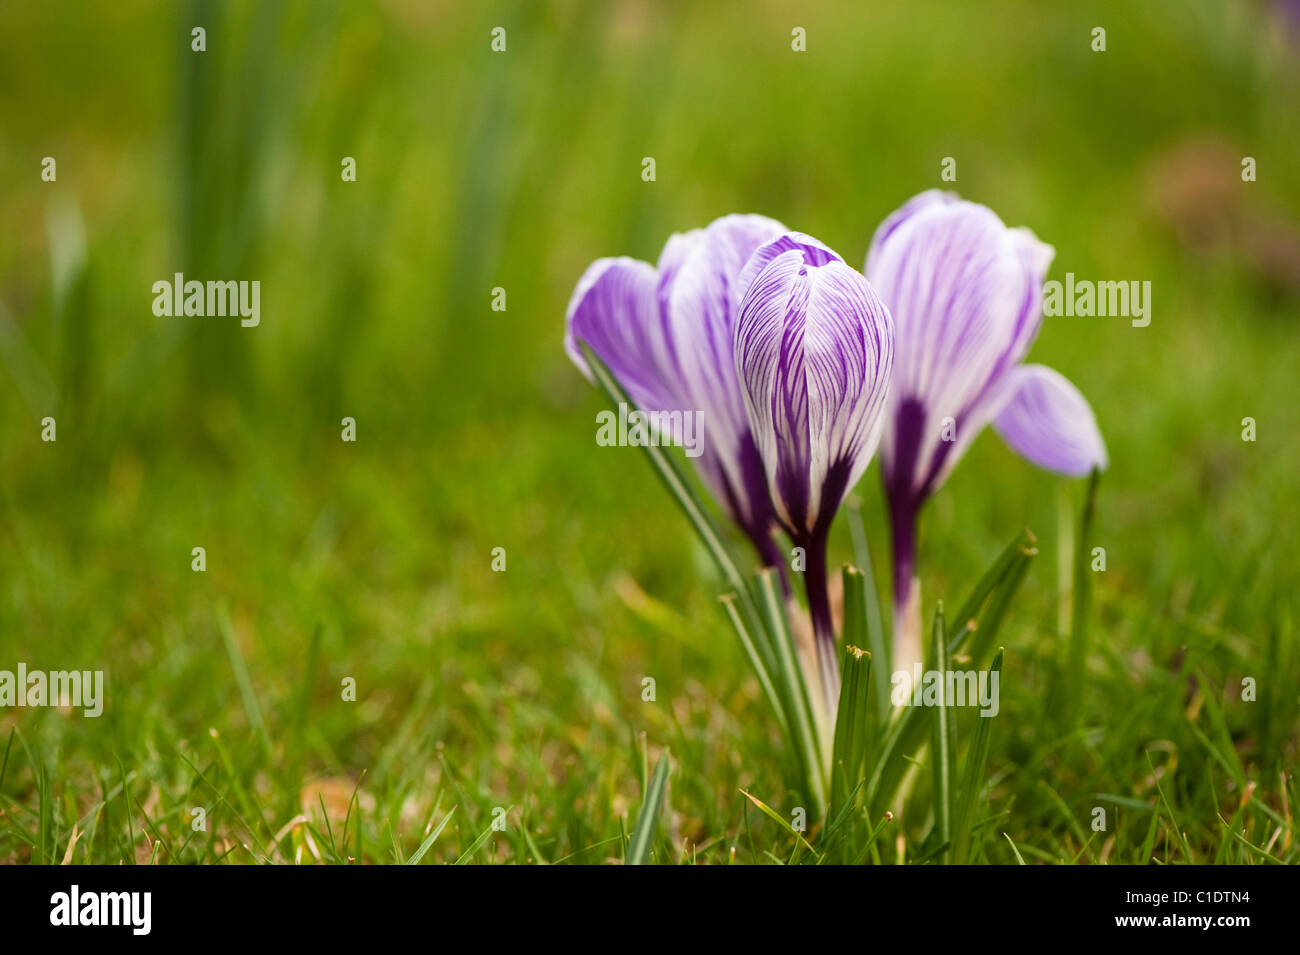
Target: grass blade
[(943, 737), (965, 622), (973, 778), (432, 837), (764, 677), (1020, 860), (990, 619), (781, 821), (474, 846), (799, 711), (850, 745), (240, 668), (638, 849), (876, 642), (1071, 679)]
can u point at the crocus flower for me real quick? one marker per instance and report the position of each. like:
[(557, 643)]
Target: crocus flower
[(666, 334), (966, 295), (814, 347)]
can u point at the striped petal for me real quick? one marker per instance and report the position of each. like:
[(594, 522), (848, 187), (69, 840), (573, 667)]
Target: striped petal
[(966, 296), (698, 298), (667, 334), (814, 252), (814, 347), (1048, 421), (615, 310)]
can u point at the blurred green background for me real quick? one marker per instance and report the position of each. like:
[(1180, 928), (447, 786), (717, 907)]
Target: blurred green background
[(478, 169)]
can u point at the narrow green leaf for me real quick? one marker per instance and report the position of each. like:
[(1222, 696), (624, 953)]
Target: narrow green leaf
[(1020, 860), (4, 763), (755, 660), (474, 846), (538, 856), (782, 822), (939, 852), (855, 611), (1224, 752), (1173, 820), (977, 759), (995, 611), (849, 748), (876, 642), (638, 849), (1072, 679), (430, 839), (943, 744), (790, 673), (870, 847), (1262, 853), (965, 622), (245, 684), (837, 819)]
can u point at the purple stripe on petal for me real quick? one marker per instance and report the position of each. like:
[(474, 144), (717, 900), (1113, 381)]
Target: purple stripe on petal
[(849, 353), (770, 365), (614, 310), (1035, 258), (965, 293), (667, 335), (814, 346), (698, 301), (1049, 422), (814, 252), (918, 203)]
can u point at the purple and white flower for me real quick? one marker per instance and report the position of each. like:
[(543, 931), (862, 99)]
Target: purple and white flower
[(814, 347), (966, 295), (666, 333)]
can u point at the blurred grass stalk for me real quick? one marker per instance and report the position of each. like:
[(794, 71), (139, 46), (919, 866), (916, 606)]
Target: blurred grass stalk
[(1075, 595), (228, 103)]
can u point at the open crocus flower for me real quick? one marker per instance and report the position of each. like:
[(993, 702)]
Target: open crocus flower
[(814, 347), (666, 334), (966, 297)]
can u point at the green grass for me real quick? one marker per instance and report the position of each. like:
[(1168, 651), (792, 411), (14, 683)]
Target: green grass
[(482, 693)]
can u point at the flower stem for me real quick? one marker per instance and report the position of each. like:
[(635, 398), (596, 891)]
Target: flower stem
[(907, 590), (819, 606), (769, 552)]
